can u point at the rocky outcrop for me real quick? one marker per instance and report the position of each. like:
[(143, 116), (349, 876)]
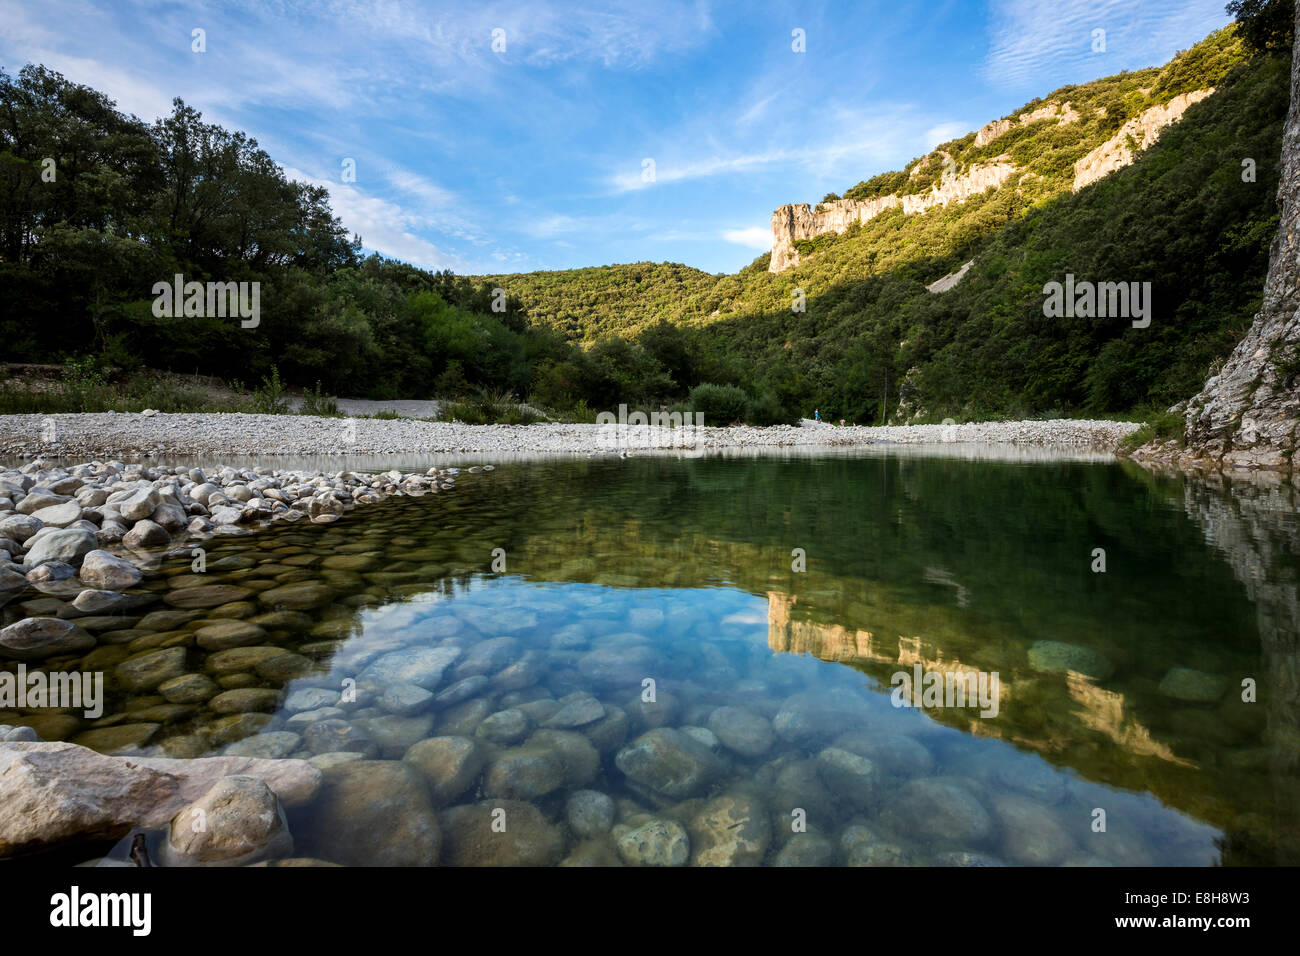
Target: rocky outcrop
[(792, 223), (57, 793), (1248, 414), (951, 279), (1137, 134), (991, 131), (1062, 112)]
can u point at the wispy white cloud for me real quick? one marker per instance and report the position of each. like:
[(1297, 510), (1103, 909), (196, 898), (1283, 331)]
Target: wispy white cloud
[(758, 109), (1035, 44), (671, 172), (430, 193), (625, 34), (943, 132), (851, 140), (755, 237), (384, 226), (548, 227)]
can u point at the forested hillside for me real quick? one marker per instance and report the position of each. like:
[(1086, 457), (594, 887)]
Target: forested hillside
[(128, 204), (96, 207), (1182, 217)]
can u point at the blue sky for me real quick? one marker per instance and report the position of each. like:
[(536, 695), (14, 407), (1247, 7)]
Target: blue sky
[(532, 157)]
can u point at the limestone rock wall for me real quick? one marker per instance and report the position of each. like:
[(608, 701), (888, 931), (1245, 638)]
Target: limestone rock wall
[(801, 221), (791, 223), (1062, 112), (1143, 129), (1248, 414)]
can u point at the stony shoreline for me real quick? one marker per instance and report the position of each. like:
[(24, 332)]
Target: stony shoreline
[(83, 530), (1171, 455), (134, 436), (82, 536)]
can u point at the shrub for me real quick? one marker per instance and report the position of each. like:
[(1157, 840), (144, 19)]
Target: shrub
[(766, 409), (85, 384), (720, 404), (487, 408), (1158, 426), (269, 399), (452, 381), (316, 402)]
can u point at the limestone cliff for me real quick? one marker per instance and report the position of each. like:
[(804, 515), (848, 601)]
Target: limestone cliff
[(1248, 414), (1141, 132), (794, 222), (1062, 113)]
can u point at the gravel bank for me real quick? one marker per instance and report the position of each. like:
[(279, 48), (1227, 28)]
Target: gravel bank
[(410, 408), (56, 521), (129, 436)]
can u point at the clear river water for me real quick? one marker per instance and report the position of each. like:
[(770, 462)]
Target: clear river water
[(703, 660)]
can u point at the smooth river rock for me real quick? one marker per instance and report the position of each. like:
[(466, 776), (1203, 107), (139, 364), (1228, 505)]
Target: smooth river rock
[(52, 793), (237, 822), (105, 571), (375, 813), (34, 638), (451, 765), (669, 762), (500, 833)]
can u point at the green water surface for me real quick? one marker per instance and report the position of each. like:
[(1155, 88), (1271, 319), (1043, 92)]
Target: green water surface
[(792, 589)]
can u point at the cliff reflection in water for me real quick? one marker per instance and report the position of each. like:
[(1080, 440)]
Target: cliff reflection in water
[(1130, 678), (968, 567), (1253, 521), (1127, 683)]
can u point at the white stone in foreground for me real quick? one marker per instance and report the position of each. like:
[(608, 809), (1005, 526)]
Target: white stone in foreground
[(55, 793)]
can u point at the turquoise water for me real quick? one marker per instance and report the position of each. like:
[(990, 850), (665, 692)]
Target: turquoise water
[(712, 645)]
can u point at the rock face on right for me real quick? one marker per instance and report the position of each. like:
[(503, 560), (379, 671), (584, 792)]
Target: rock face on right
[(1248, 413)]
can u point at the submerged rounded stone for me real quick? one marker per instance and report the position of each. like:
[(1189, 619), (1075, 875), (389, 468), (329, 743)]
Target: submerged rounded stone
[(659, 842), (34, 638), (1058, 657), (500, 833), (669, 762), (375, 813), (451, 765), (227, 634)]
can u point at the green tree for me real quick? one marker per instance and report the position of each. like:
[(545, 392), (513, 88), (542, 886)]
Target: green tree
[(1265, 25)]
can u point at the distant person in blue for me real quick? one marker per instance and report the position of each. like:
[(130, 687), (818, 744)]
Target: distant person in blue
[(817, 416)]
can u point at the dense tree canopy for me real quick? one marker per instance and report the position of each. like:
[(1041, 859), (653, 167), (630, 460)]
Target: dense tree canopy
[(1265, 25), (873, 343), (95, 207)]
